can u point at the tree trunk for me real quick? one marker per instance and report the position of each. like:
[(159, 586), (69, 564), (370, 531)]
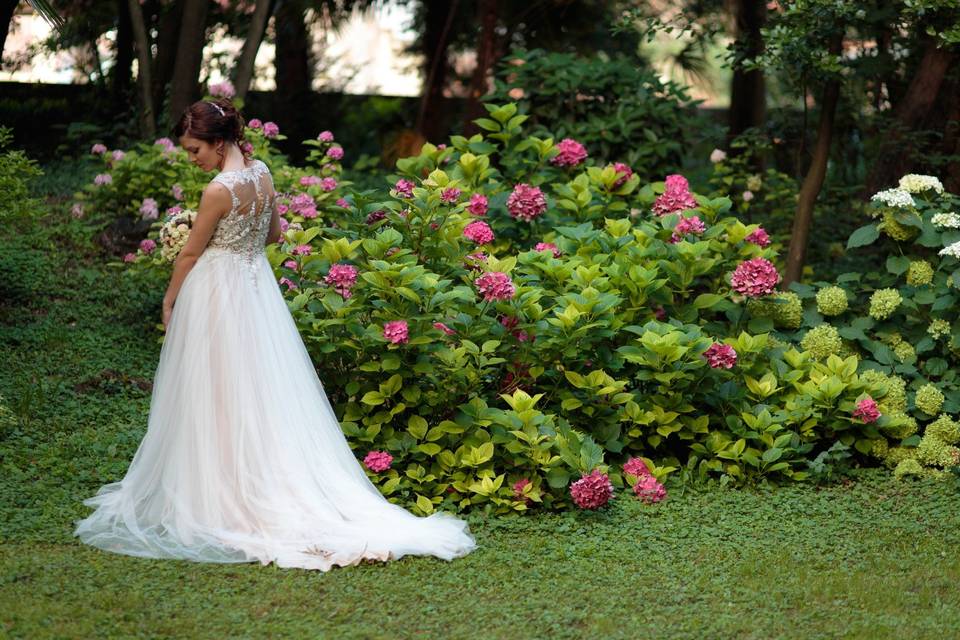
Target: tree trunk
[(248, 57), (184, 88), (813, 181), (894, 157), (168, 32), (486, 46), (432, 119), (294, 71), (748, 91), (120, 74), (7, 8), (148, 121)]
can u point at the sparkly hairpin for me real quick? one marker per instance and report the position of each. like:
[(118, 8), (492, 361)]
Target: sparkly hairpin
[(218, 108)]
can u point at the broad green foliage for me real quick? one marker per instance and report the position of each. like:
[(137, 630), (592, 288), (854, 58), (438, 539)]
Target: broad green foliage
[(16, 172), (481, 366)]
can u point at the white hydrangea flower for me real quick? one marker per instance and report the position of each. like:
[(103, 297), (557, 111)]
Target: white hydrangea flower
[(952, 250), (894, 198), (950, 220), (916, 183)]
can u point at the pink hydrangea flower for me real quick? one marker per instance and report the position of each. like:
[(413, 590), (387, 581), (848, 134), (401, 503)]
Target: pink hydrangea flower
[(675, 197), (495, 285), (693, 225), (76, 210), (270, 130), (102, 179), (325, 136), (307, 181), (166, 143), (309, 212), (222, 89), (548, 246), (636, 467), (147, 245), (404, 188), (747, 196), (177, 192), (246, 148), (759, 238), (174, 210), (343, 202), (302, 250), (478, 231), (649, 490), (378, 461), (117, 155), (98, 149), (255, 124), (396, 331), (450, 195), (518, 487), (328, 184), (288, 283), (291, 264), (149, 209), (571, 153), (867, 410), (509, 322), (592, 491), (129, 257), (475, 261), (447, 330), (284, 225), (625, 173), (335, 153), (376, 216), (302, 201), (720, 355), (478, 204), (755, 278), (526, 202), (342, 277)]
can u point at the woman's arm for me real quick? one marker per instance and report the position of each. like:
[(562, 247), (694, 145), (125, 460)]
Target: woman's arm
[(214, 203), (274, 233)]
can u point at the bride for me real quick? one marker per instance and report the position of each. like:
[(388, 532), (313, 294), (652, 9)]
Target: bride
[(244, 459)]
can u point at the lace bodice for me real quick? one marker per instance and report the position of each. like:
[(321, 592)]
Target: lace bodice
[(243, 231)]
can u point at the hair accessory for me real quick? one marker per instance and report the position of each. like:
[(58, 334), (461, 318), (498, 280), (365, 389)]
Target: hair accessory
[(217, 107)]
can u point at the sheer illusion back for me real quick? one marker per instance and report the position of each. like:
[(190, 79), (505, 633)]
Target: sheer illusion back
[(244, 459)]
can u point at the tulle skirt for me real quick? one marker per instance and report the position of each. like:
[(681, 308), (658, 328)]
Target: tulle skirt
[(244, 459)]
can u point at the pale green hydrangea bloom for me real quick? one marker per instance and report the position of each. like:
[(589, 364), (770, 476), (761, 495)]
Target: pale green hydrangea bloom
[(908, 467), (884, 302), (822, 341), (831, 301), (787, 313), (895, 229), (944, 429), (939, 328), (919, 273), (929, 399), (916, 183), (904, 351), (934, 452)]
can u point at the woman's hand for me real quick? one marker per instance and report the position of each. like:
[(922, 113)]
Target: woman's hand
[(167, 312)]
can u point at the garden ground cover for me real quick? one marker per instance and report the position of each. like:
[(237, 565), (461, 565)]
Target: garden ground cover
[(870, 558)]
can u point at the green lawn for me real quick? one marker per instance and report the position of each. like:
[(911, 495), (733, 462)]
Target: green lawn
[(871, 559)]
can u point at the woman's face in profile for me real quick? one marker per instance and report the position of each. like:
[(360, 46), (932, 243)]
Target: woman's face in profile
[(200, 152)]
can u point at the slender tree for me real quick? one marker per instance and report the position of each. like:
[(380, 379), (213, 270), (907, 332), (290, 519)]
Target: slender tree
[(248, 56), (148, 121), (184, 87)]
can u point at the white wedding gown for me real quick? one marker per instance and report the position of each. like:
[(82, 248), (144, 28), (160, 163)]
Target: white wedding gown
[(244, 459)]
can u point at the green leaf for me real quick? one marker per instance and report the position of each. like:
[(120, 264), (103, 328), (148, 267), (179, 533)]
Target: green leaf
[(558, 478), (863, 236), (898, 264)]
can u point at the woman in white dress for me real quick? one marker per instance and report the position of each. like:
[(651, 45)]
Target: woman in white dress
[(244, 459)]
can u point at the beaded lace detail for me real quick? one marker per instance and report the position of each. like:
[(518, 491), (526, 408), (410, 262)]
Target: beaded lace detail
[(243, 231)]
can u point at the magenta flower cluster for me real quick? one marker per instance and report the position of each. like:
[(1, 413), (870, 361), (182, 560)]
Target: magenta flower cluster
[(649, 490), (495, 285), (478, 204), (693, 225), (378, 461), (720, 355), (867, 410), (255, 123), (270, 130), (755, 278), (624, 173), (102, 178), (636, 467), (571, 153), (149, 209), (675, 197), (98, 149), (548, 246), (302, 250), (335, 153), (404, 188), (526, 202), (592, 491), (325, 136), (518, 487), (342, 277), (396, 331), (450, 195), (447, 330), (759, 238), (478, 231), (147, 245)]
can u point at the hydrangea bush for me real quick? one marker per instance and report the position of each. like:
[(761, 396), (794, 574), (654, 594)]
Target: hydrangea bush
[(503, 331)]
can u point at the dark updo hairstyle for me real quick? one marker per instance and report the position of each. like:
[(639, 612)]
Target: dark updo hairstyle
[(212, 120)]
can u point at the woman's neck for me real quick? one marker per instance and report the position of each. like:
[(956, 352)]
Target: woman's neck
[(233, 159)]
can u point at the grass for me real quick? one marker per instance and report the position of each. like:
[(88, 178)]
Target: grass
[(871, 558)]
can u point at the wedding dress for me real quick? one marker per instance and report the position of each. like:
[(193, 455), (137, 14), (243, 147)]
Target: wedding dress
[(244, 459)]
